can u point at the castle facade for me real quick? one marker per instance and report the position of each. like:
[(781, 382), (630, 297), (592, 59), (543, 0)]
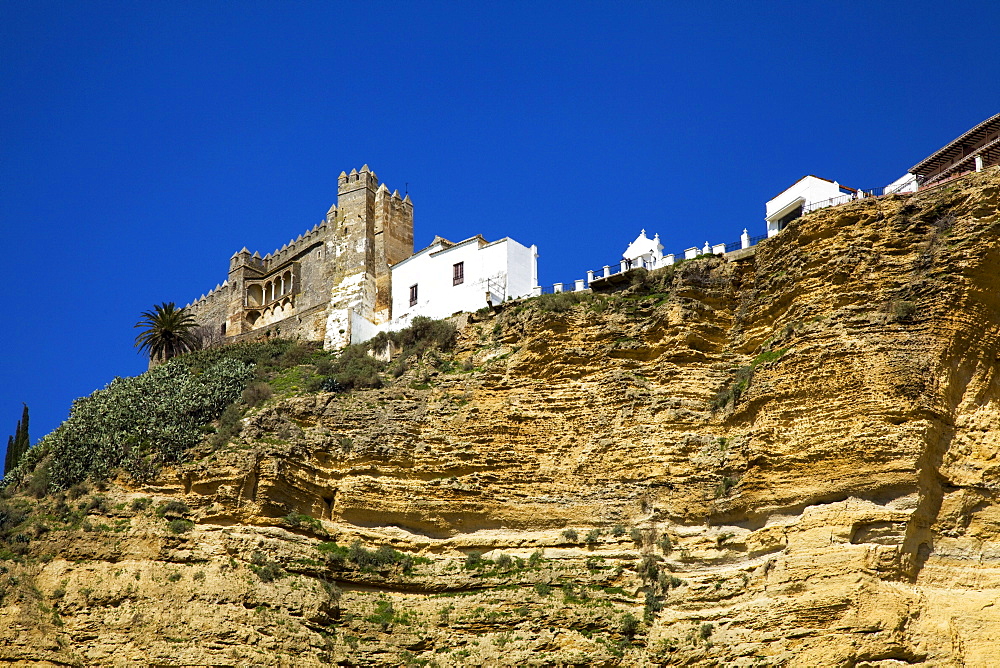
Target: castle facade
[(331, 279)]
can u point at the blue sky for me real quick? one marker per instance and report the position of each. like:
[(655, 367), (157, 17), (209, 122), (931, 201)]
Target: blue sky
[(144, 143)]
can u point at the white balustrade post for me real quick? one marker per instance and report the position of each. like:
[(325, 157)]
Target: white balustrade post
[(668, 259), (590, 276), (624, 267), (578, 285), (558, 287), (607, 271), (745, 239), (979, 162)]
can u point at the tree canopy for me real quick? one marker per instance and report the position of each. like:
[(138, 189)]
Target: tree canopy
[(168, 332)]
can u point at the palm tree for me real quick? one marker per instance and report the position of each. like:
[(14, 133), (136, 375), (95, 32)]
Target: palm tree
[(168, 332)]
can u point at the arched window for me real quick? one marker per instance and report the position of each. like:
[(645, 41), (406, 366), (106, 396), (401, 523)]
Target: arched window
[(255, 296)]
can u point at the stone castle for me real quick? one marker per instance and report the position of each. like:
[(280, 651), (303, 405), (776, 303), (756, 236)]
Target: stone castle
[(318, 286)]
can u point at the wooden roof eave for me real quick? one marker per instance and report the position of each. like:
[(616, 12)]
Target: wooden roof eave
[(944, 155)]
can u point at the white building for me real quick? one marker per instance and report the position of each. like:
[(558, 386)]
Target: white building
[(447, 278), (644, 251), (807, 194)]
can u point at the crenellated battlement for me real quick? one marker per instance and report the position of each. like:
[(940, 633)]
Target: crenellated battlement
[(209, 296), (363, 178)]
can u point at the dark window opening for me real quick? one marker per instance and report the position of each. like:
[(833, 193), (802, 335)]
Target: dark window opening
[(223, 329), (458, 273), (413, 295), (789, 217)]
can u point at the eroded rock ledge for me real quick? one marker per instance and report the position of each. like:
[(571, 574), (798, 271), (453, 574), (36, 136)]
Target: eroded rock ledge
[(786, 460)]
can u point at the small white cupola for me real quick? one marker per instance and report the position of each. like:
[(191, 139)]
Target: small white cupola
[(650, 250)]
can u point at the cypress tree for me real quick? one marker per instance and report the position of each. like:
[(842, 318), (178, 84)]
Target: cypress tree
[(17, 444), (9, 455)]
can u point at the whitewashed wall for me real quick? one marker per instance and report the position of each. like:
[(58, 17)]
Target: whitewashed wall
[(505, 268), (907, 183), (807, 190)]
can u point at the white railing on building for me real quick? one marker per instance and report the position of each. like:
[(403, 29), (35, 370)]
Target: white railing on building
[(653, 262)]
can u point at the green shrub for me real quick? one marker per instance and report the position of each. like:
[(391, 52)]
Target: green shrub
[(560, 302), (593, 536), (571, 535), (295, 354), (256, 393), (384, 613), (768, 356), (140, 504), (334, 555), (705, 631), (473, 560), (504, 561), (265, 569), (725, 485), (543, 588), (40, 481), (138, 423), (230, 425), (421, 336), (535, 559), (366, 559), (637, 536), (647, 568), (173, 508), (573, 593), (296, 520), (95, 504), (180, 526), (629, 625), (665, 546), (732, 392), (355, 369), (651, 606), (331, 589), (618, 531), (78, 490)]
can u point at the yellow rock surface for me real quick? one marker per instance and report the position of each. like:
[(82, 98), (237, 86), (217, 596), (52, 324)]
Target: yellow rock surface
[(841, 511)]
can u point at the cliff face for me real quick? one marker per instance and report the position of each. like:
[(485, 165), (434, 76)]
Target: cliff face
[(786, 460)]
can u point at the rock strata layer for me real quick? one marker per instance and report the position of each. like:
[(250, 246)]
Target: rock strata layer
[(787, 460)]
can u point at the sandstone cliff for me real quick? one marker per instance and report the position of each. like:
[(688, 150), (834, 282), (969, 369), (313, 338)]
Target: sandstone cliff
[(788, 460)]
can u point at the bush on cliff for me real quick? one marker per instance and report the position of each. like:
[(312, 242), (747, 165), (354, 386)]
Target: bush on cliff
[(355, 367), (139, 423)]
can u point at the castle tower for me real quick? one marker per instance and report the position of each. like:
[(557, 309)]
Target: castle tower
[(241, 267), (393, 243), (373, 230)]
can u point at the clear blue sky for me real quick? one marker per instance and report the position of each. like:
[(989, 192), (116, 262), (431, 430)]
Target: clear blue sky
[(144, 142)]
